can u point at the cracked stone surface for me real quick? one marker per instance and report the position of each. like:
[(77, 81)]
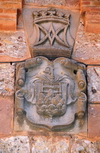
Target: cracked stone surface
[(13, 46), (18, 144), (87, 46), (93, 77), (7, 72)]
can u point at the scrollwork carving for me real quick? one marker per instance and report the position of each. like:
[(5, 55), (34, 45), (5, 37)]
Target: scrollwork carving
[(53, 93)]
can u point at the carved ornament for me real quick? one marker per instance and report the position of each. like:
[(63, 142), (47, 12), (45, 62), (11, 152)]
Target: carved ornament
[(51, 32), (50, 94)]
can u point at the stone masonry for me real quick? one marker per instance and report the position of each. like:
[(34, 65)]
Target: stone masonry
[(14, 49)]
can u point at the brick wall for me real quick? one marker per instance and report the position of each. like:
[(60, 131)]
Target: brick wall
[(8, 14), (14, 48), (90, 5), (9, 9), (92, 10)]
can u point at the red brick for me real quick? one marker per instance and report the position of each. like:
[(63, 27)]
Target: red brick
[(7, 0), (8, 20), (85, 3), (11, 1), (90, 5), (7, 16), (92, 15), (9, 10), (94, 120), (95, 3), (7, 25), (88, 8), (92, 28), (72, 2), (11, 5), (1, 10), (11, 26), (92, 19), (6, 115)]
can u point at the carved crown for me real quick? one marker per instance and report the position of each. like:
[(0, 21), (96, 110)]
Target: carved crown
[(50, 15)]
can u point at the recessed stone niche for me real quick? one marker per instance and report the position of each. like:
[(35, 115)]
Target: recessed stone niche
[(50, 95), (51, 32)]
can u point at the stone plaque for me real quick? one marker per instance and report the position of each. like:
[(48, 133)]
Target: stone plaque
[(49, 94), (51, 32)]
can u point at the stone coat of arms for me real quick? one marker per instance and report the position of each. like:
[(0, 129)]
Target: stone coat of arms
[(50, 94)]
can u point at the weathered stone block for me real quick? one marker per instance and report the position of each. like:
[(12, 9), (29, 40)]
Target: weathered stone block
[(17, 144), (50, 95), (51, 32), (13, 47), (93, 77), (94, 120), (87, 46), (6, 115)]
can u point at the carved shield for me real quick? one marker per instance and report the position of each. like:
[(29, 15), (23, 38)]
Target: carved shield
[(50, 93)]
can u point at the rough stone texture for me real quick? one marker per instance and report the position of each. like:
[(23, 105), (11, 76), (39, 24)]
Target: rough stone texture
[(49, 145), (13, 46), (6, 115), (93, 77), (7, 72), (43, 144), (94, 120), (87, 47), (46, 2), (18, 144), (85, 146)]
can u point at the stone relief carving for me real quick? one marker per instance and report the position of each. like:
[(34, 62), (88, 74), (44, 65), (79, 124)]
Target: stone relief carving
[(50, 94), (51, 32)]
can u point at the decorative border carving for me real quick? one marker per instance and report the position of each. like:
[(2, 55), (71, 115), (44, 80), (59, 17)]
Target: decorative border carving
[(54, 91)]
